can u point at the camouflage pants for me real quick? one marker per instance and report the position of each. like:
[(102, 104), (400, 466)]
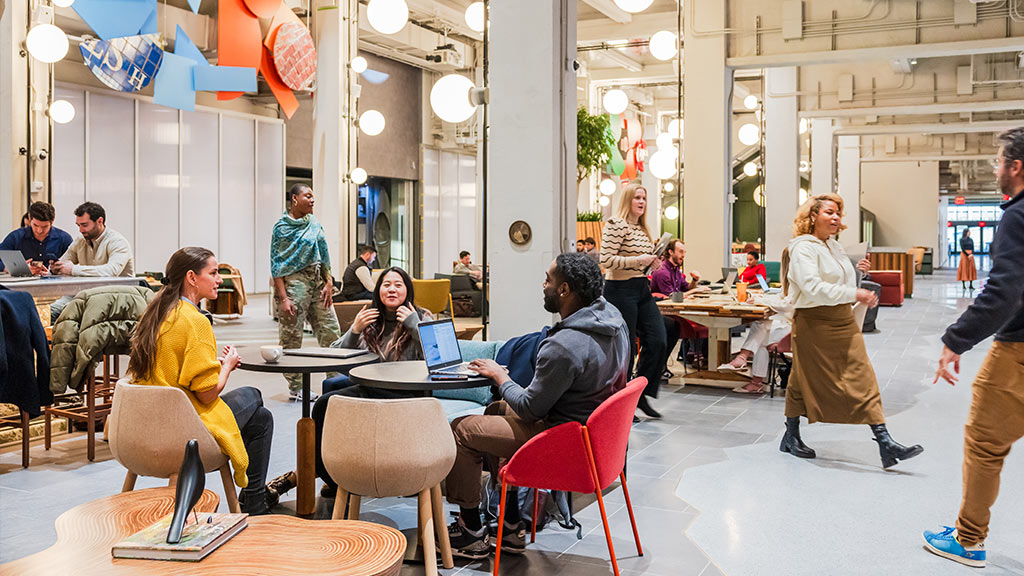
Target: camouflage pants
[(303, 289)]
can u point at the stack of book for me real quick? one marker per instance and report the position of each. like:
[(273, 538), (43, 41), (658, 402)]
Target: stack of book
[(198, 539)]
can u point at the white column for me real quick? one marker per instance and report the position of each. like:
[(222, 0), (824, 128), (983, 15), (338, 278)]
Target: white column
[(13, 108), (782, 159), (823, 156), (849, 186), (532, 99), (707, 148), (333, 142)]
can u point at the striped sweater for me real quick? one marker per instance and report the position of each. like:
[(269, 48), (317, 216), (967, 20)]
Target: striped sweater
[(622, 245)]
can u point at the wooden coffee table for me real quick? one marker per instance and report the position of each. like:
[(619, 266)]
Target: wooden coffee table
[(270, 545)]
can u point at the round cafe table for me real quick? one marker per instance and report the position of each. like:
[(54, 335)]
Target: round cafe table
[(408, 376), (305, 434)]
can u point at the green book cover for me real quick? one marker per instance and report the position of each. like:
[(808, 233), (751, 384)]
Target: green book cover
[(197, 539)]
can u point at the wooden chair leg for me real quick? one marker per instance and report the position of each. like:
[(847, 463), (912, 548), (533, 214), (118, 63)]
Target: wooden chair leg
[(354, 501), (501, 527), (632, 519), (47, 420), (427, 533), (172, 480), (437, 509), (229, 489), (129, 481), (340, 503), (24, 439)]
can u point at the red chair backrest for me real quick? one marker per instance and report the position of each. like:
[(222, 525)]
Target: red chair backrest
[(609, 427), (555, 459)]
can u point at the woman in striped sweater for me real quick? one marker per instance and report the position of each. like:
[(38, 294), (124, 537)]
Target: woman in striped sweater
[(626, 252)]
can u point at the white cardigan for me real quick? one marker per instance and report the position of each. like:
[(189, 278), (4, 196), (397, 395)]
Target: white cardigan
[(820, 273)]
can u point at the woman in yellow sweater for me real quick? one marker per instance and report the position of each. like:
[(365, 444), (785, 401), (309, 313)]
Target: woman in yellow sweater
[(173, 345)]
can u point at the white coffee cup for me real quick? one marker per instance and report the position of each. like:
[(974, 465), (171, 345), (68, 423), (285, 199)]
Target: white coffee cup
[(271, 354)]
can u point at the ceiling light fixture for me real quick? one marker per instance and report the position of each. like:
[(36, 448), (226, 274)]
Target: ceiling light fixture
[(61, 111), (662, 45), (615, 101), (671, 213), (662, 164), (451, 98), (358, 175), (387, 16), (749, 134), (750, 169), (750, 102), (607, 187), (358, 64), (475, 16), (46, 43), (371, 122), (633, 6)]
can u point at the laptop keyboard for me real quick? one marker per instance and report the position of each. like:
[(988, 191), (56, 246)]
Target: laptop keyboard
[(457, 369)]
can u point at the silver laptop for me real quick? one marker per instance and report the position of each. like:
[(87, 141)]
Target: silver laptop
[(14, 263), (727, 269), (341, 353), (765, 287), (730, 279), (441, 348)]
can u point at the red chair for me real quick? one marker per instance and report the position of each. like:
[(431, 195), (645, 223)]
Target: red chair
[(575, 458), (892, 286)]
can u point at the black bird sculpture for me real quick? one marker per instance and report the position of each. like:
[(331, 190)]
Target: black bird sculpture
[(191, 482)]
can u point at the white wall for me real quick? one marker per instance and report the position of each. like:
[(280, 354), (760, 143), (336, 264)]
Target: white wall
[(169, 179), (450, 210), (904, 197)]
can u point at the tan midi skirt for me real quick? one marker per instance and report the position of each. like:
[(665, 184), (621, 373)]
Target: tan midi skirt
[(832, 379), (966, 271)]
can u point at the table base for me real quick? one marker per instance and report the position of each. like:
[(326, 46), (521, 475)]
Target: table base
[(715, 379)]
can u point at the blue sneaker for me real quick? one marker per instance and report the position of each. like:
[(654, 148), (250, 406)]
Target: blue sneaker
[(947, 545)]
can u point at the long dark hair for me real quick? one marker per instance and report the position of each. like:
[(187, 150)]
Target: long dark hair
[(147, 331), (400, 339)]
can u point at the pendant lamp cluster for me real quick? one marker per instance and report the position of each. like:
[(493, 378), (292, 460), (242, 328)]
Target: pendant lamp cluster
[(49, 44)]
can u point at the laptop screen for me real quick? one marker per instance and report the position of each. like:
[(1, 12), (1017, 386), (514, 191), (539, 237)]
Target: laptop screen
[(440, 346), (760, 280)]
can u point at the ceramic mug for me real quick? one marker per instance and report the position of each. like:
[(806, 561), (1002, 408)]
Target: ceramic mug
[(271, 354), (678, 296)]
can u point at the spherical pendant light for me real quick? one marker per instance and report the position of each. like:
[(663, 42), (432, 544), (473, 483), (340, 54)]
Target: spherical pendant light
[(750, 102), (387, 16), (675, 128), (759, 196), (662, 164), (475, 16), (671, 213), (633, 6), (803, 195), (63, 3), (604, 201), (371, 122), (803, 125), (358, 64), (358, 175), (449, 98), (46, 43), (663, 45), (669, 187), (62, 111), (750, 169), (749, 134), (607, 187), (664, 141), (615, 101)]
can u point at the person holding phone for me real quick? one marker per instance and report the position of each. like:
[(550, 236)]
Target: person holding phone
[(39, 241)]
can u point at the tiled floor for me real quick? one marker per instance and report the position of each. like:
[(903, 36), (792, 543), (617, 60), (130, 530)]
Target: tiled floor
[(735, 509)]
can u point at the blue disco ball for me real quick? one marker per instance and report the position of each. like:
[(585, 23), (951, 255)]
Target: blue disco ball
[(126, 64)]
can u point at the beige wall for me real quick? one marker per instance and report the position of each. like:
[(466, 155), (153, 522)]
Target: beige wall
[(904, 197)]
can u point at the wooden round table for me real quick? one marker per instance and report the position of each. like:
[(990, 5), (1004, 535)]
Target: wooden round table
[(270, 545), (408, 376), (305, 466)]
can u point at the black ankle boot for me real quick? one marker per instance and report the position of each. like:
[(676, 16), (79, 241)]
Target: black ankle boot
[(645, 406), (890, 450), (791, 441)]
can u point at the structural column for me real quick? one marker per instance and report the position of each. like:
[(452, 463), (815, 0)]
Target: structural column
[(532, 155), (707, 148), (782, 159), (823, 156), (849, 186)]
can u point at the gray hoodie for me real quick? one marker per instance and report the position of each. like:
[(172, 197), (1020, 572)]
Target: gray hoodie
[(582, 362)]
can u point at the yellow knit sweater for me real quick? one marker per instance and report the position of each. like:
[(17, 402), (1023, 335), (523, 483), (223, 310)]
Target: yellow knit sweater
[(186, 357)]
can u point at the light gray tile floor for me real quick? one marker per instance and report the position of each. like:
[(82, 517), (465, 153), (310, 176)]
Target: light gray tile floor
[(711, 492)]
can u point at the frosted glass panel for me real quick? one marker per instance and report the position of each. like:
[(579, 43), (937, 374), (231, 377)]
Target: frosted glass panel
[(157, 187), (269, 196), (448, 240), (237, 190), (69, 162), (111, 181), (467, 207), (199, 180), (431, 197)]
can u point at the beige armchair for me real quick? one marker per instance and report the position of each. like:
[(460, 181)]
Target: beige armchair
[(148, 428), (383, 448)]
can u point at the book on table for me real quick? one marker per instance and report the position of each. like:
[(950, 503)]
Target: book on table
[(197, 540)]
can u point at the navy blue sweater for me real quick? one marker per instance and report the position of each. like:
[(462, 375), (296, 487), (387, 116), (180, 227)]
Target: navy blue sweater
[(999, 309), (24, 354)]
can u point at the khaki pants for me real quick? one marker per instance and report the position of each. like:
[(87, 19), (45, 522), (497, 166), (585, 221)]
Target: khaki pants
[(496, 436), (303, 289), (996, 421)]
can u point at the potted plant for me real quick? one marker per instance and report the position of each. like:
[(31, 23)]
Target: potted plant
[(590, 225), (594, 143)]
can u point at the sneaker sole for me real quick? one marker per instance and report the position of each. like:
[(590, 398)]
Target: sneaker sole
[(505, 548), (472, 555), (958, 559)]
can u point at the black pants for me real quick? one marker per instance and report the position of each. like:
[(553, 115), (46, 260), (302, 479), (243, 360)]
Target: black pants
[(341, 386), (633, 299), (257, 426)]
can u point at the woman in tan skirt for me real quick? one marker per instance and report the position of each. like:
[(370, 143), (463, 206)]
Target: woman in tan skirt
[(832, 379), (966, 271)]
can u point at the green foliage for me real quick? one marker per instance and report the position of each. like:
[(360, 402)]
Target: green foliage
[(589, 216), (593, 143)]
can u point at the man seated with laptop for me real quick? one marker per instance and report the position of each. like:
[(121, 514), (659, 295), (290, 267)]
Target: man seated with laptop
[(40, 243), (582, 361)]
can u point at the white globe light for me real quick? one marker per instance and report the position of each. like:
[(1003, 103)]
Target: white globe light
[(675, 128), (671, 213), (749, 134), (63, 3), (47, 43), (615, 101), (371, 122), (475, 16), (607, 187), (662, 164), (664, 141), (663, 45), (803, 195), (759, 196), (358, 64), (449, 98), (750, 169), (750, 102), (803, 125), (604, 201), (387, 16), (757, 114), (805, 166), (669, 187), (62, 111), (633, 6), (358, 175)]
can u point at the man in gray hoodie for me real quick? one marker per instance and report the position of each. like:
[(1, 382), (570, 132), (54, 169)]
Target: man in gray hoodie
[(581, 363)]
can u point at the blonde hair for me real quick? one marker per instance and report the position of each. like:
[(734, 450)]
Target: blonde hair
[(626, 206), (808, 212)]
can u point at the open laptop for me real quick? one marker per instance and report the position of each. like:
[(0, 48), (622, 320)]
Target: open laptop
[(725, 287), (727, 269), (15, 264), (325, 352), (765, 287), (441, 348)]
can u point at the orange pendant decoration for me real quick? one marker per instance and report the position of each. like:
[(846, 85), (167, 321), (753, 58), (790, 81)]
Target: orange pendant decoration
[(295, 56), (238, 39), (285, 98), (263, 8)]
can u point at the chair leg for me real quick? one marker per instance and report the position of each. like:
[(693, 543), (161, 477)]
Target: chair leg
[(426, 521), (600, 500), (90, 410), (229, 489), (172, 480), (340, 503), (47, 418), (501, 527), (632, 519), (24, 439), (354, 501), (437, 509), (533, 523), (129, 481)]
